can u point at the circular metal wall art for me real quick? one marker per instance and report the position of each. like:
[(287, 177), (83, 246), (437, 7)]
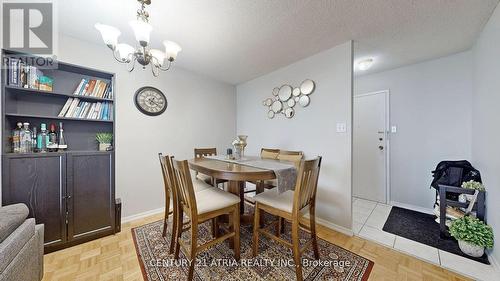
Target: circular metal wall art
[(304, 101), (285, 98), (285, 92), (307, 87), (277, 106), (289, 112)]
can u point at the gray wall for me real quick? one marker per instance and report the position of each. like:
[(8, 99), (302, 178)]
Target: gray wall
[(201, 112), (312, 130), (486, 119), (430, 105)]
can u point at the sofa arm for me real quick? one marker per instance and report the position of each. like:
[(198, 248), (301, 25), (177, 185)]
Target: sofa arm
[(13, 244), (39, 229)]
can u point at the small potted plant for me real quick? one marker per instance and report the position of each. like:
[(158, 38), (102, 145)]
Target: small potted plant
[(473, 235), (104, 140), (472, 184)]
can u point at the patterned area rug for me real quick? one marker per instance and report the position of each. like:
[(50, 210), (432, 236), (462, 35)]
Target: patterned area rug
[(274, 262)]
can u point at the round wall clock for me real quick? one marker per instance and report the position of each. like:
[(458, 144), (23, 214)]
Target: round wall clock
[(150, 101)]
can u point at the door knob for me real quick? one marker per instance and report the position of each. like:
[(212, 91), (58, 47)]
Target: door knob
[(380, 147)]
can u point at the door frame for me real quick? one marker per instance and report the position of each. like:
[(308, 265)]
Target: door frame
[(387, 139)]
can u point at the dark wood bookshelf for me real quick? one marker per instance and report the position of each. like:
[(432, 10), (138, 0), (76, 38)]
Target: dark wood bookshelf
[(25, 91), (71, 192)]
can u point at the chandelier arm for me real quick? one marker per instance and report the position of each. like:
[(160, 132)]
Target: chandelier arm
[(153, 67), (166, 68), (133, 64), (118, 59)]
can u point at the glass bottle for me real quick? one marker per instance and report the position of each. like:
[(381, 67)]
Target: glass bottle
[(42, 138), (16, 138), (52, 144), (62, 141), (26, 138), (33, 140)]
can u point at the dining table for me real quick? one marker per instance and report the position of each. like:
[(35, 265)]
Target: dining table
[(238, 172)]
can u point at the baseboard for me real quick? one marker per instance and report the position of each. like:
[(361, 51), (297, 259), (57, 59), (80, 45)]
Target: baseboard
[(142, 215), (494, 262), (335, 227), (413, 207)]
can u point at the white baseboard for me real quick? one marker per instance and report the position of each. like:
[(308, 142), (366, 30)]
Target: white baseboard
[(142, 215), (494, 262), (413, 207), (335, 227)]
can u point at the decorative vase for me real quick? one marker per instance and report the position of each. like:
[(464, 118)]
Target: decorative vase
[(104, 146), (471, 249), (239, 145)]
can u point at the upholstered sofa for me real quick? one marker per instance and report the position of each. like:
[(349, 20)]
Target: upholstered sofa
[(21, 245)]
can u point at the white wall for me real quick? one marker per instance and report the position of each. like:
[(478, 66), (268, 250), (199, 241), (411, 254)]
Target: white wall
[(486, 119), (312, 130), (201, 113), (430, 105)]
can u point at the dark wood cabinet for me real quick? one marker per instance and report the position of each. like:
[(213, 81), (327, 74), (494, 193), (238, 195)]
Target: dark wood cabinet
[(40, 183), (91, 194), (71, 193)]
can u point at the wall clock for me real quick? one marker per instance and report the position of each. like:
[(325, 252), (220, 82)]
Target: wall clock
[(150, 101)]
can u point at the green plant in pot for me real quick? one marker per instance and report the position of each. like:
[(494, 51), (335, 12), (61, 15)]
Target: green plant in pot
[(472, 184), (104, 140), (473, 235)]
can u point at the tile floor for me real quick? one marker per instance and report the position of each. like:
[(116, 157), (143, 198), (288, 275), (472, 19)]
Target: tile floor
[(368, 220)]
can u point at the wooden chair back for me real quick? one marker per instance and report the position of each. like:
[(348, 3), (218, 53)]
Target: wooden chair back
[(166, 179), (185, 190), (269, 153), (307, 184), (292, 156), (202, 152)]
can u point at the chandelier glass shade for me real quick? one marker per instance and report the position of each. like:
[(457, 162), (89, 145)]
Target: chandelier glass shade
[(143, 53)]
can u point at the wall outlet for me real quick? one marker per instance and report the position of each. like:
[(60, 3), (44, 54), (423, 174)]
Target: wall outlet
[(394, 129), (341, 127)]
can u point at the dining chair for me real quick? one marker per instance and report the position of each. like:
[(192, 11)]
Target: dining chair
[(292, 206), (269, 153), (200, 153), (200, 207), (291, 156), (170, 196)]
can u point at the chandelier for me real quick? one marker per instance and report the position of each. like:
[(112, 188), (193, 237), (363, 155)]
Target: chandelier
[(143, 54)]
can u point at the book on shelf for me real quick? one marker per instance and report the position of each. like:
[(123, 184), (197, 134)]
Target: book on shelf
[(94, 88), (27, 76), (76, 108)]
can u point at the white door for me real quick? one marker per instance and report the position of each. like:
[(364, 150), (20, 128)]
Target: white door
[(370, 146)]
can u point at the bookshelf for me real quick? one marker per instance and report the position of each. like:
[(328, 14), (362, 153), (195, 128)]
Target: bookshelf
[(71, 192), (38, 106)]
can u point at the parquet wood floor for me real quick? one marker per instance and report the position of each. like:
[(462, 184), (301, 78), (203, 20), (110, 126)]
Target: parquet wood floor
[(114, 258)]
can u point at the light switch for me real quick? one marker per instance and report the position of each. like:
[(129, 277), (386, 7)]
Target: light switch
[(394, 129), (341, 127)]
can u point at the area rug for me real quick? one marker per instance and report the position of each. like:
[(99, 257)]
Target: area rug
[(422, 228), (274, 262)]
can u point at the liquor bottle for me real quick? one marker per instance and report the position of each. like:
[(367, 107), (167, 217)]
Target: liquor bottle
[(26, 138), (33, 140), (62, 141), (16, 138), (52, 144), (42, 138)]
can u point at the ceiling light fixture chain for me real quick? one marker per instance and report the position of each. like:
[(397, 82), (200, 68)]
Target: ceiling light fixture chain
[(143, 53)]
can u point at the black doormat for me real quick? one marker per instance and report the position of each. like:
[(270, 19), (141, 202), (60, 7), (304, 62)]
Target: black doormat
[(422, 228)]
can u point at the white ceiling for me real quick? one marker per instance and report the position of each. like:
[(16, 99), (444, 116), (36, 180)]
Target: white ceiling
[(238, 40)]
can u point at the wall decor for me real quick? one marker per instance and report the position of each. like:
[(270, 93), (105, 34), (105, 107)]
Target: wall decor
[(150, 101), (285, 98)]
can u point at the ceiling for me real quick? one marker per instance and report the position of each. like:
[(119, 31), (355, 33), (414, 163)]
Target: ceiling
[(238, 40)]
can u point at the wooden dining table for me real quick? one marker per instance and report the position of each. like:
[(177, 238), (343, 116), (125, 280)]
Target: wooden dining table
[(236, 174)]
